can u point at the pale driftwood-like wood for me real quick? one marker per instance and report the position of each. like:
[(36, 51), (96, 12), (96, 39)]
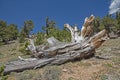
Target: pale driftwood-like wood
[(20, 65), (32, 47), (54, 42), (56, 53), (74, 33), (95, 41), (87, 27)]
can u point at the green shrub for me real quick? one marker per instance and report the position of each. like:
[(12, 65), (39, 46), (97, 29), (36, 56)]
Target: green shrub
[(23, 47), (2, 77), (61, 35), (40, 38)]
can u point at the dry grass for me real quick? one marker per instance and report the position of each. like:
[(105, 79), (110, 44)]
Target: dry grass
[(104, 67), (10, 52)]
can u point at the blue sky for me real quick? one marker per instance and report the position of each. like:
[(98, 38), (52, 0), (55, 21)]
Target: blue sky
[(62, 11)]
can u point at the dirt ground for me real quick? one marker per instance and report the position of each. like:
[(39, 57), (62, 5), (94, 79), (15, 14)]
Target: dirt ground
[(104, 66)]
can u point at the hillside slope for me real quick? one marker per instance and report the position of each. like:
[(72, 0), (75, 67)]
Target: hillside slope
[(104, 66)]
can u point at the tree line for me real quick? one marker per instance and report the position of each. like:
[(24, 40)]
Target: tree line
[(11, 32), (7, 32)]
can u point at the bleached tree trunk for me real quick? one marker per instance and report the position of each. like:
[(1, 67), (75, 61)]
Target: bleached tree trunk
[(81, 46)]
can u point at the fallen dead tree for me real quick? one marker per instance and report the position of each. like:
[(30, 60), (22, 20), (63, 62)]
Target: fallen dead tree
[(82, 46)]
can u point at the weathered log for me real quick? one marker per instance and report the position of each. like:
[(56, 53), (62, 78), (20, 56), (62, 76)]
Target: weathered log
[(75, 51), (57, 47), (95, 41), (81, 46), (20, 65)]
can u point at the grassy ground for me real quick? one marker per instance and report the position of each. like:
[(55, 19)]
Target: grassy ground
[(105, 66), (9, 52)]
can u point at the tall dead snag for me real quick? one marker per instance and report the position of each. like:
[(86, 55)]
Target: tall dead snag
[(81, 46)]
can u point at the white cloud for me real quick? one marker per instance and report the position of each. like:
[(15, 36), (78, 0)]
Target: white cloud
[(114, 6)]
